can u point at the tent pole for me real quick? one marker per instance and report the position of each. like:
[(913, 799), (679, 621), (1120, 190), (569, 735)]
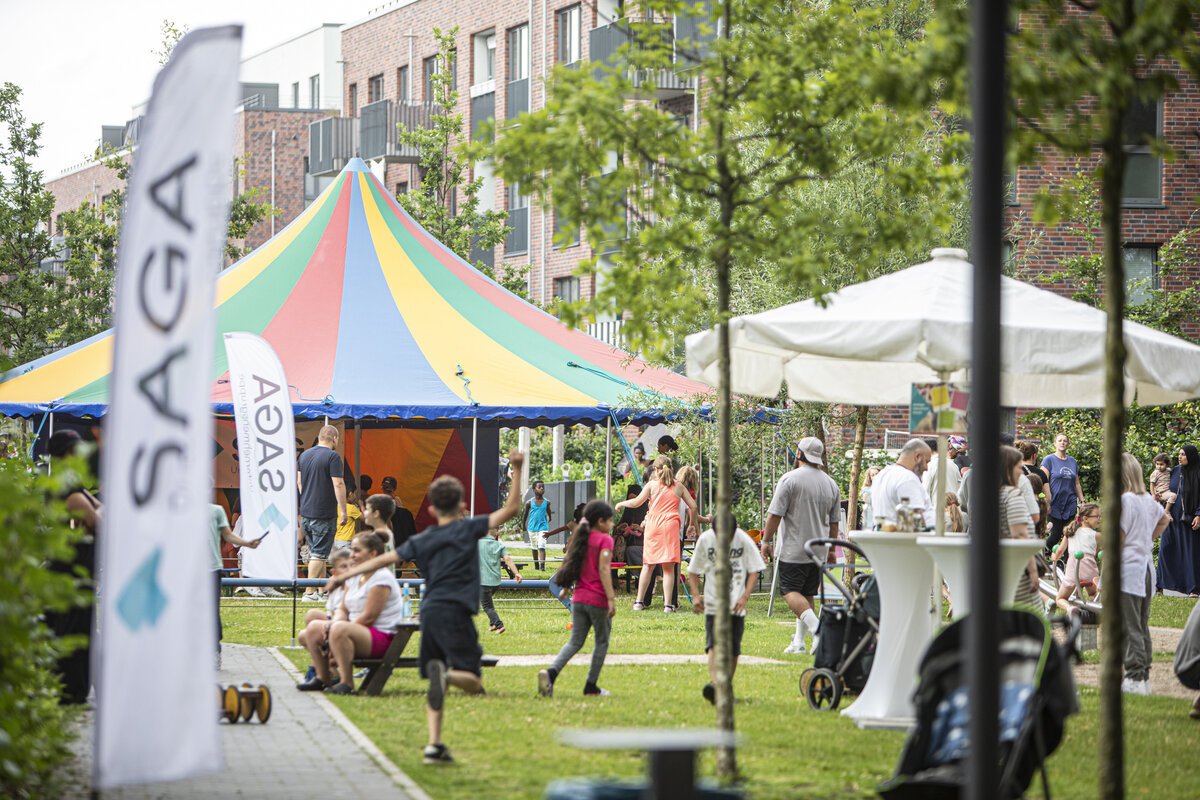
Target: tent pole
[(474, 442), (762, 487), (49, 465), (357, 453), (608, 460)]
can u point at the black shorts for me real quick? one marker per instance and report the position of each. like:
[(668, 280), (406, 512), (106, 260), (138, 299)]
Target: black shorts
[(802, 578), (448, 634), (739, 627)]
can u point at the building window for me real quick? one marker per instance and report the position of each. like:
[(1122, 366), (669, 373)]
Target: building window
[(518, 53), (374, 88), (566, 231), (314, 91), (484, 45), (353, 104), (403, 89), (429, 68), (1142, 183), (296, 94), (1141, 272), (567, 25), (567, 289), (401, 188), (453, 57)]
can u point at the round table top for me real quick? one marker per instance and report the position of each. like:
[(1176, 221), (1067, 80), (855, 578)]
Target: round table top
[(648, 738)]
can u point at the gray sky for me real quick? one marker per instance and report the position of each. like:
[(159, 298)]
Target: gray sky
[(85, 63)]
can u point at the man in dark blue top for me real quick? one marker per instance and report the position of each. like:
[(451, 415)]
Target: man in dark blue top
[(448, 555), (322, 502)]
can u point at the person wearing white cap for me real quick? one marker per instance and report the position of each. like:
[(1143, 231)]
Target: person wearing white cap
[(806, 505)]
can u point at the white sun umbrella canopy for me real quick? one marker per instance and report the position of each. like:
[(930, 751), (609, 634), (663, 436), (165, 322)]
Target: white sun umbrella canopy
[(871, 341)]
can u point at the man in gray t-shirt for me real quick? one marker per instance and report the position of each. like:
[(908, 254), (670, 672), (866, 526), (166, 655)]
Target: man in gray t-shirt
[(808, 503)]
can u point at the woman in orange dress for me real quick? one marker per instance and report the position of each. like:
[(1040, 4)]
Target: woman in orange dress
[(661, 528)]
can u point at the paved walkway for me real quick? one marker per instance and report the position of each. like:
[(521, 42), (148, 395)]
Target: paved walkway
[(307, 748)]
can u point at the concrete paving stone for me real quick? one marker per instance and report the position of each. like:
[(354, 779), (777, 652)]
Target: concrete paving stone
[(266, 761)]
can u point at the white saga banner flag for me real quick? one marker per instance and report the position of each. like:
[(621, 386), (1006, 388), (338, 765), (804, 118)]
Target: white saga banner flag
[(156, 709), (266, 438)]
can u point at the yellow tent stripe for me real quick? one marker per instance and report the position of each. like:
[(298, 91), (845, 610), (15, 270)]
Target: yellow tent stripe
[(61, 376), (498, 376)]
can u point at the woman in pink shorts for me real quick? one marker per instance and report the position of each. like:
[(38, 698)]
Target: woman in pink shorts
[(363, 626)]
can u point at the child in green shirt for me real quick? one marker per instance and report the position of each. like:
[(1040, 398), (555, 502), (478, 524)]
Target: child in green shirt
[(491, 553)]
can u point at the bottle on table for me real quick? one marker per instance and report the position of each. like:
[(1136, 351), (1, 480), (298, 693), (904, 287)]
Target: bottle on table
[(406, 608), (904, 516)]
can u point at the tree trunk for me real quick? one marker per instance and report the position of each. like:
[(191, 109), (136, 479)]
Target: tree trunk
[(1111, 744), (722, 574), (861, 413)]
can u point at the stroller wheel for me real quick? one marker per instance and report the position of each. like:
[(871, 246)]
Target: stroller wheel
[(805, 678), (824, 690)]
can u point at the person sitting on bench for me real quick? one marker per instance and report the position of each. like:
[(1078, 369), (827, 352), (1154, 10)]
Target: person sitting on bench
[(370, 614)]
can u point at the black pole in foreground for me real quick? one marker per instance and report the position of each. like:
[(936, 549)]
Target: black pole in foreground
[(989, 19)]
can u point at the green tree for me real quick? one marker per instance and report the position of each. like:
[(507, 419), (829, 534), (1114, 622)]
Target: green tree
[(794, 96), (443, 158), (40, 310), (1077, 70)]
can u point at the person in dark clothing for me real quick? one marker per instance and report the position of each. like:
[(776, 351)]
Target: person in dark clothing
[(448, 555), (74, 668)]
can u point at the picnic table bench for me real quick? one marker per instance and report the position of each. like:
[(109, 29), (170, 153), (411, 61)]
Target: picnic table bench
[(380, 669)]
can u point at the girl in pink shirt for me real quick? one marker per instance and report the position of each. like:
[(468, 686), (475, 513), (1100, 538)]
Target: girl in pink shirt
[(586, 567)]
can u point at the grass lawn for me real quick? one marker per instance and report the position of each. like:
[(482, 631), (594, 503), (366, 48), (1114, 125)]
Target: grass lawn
[(505, 744), (1170, 612)]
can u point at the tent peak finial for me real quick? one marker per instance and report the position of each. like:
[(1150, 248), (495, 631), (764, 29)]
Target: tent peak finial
[(356, 164)]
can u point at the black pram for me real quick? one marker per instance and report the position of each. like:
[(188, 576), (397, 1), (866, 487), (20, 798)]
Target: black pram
[(849, 632), (1037, 694)]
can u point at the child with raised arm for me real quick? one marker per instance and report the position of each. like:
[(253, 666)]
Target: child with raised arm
[(586, 567), (491, 553), (745, 565), (448, 555)]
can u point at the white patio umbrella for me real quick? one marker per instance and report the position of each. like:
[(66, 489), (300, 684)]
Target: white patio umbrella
[(871, 341)]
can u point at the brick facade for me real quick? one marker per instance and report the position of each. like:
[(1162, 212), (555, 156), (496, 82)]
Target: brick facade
[(85, 184)]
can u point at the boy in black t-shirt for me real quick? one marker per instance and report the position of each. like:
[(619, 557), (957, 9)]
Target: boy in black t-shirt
[(448, 555)]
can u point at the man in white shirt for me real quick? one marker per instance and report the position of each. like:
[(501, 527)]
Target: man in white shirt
[(903, 479), (929, 479)]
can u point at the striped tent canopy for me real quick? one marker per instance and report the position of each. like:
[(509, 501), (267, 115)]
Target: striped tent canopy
[(373, 318)]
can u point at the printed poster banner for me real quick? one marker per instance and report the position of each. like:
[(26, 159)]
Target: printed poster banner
[(938, 408), (156, 643), (266, 447)]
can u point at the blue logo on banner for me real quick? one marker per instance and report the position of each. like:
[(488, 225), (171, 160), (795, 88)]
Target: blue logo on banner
[(141, 602), (272, 516)]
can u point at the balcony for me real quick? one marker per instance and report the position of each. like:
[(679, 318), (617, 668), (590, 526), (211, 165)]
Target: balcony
[(608, 332), (332, 142), (379, 124), (483, 109), (606, 44), (517, 98)]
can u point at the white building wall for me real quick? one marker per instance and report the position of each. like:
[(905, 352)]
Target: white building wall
[(317, 52)]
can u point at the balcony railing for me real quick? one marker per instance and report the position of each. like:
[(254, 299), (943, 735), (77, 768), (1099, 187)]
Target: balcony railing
[(608, 332), (517, 98), (605, 46), (379, 126), (517, 240), (332, 142), (483, 109)]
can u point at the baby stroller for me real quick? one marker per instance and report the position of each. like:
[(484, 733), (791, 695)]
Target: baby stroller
[(849, 633), (1037, 694)]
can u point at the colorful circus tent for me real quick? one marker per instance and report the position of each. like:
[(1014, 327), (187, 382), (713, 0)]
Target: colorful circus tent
[(376, 321), (373, 318)]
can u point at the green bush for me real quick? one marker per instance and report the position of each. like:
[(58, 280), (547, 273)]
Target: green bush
[(34, 730)]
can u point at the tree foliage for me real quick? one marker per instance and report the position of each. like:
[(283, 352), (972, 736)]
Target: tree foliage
[(443, 159), (34, 729), (40, 310)]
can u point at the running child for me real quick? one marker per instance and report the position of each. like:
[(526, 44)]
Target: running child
[(745, 565), (535, 520), (1079, 535), (586, 567), (448, 555), (491, 552)]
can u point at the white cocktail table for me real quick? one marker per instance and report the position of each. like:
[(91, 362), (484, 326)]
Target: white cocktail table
[(904, 572), (953, 555)]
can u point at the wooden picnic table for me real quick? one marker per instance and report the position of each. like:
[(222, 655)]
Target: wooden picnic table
[(380, 669)]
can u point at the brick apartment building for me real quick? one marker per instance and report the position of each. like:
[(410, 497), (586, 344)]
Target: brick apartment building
[(284, 89)]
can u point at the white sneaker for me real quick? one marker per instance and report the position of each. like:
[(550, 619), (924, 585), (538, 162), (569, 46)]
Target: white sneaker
[(795, 648), (813, 649), (270, 591), (1142, 687), (247, 589), (253, 591), (312, 598)]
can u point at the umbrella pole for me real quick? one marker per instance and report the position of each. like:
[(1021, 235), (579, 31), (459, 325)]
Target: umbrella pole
[(608, 460), (474, 443)]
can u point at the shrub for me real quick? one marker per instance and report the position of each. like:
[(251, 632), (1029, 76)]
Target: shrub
[(34, 728)]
